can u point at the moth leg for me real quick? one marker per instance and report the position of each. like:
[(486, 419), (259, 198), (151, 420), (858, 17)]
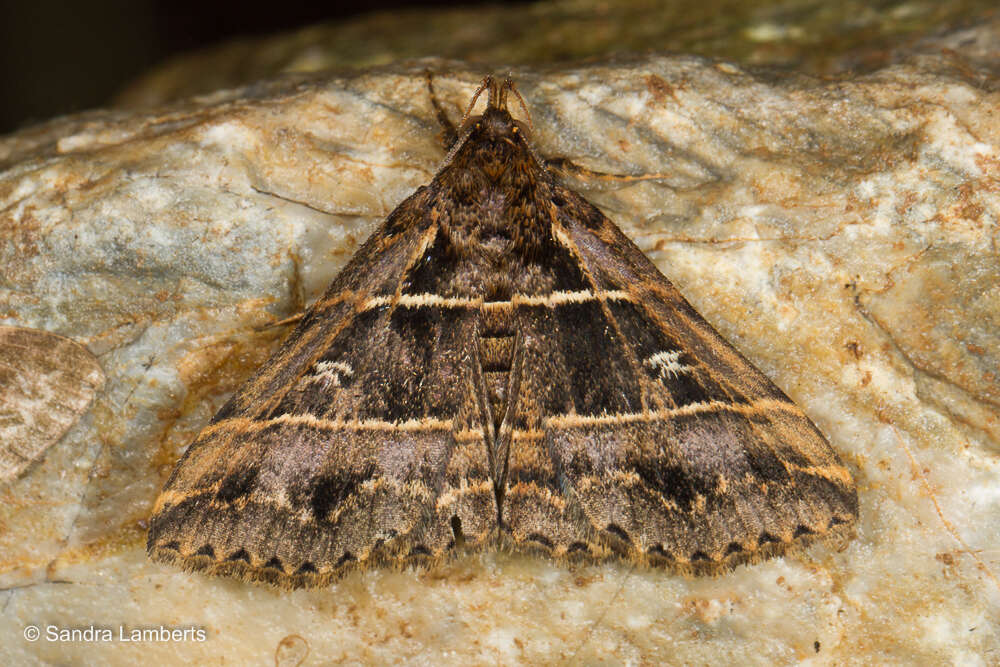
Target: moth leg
[(288, 321), (566, 167), (449, 133)]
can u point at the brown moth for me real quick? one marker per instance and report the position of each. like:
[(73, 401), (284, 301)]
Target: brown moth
[(499, 365), (47, 382)]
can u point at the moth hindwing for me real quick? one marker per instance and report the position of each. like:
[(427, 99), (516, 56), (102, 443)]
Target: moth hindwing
[(47, 382), (498, 364)]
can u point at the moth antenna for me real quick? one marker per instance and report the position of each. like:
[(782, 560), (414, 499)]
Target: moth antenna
[(508, 85), (488, 82), (455, 147)]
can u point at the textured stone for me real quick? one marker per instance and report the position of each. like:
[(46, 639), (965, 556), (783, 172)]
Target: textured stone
[(842, 234)]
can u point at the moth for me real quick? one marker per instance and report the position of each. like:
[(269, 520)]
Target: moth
[(47, 382), (498, 366)]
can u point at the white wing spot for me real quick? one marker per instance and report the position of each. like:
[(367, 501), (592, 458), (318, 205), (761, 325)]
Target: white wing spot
[(332, 372), (668, 364)]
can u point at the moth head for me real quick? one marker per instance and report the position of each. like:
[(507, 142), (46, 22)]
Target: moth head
[(495, 123)]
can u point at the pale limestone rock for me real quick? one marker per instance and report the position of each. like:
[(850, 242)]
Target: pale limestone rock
[(842, 234)]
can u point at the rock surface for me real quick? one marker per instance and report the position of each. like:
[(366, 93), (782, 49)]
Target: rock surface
[(843, 234)]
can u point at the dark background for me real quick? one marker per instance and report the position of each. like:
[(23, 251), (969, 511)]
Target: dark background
[(60, 57)]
